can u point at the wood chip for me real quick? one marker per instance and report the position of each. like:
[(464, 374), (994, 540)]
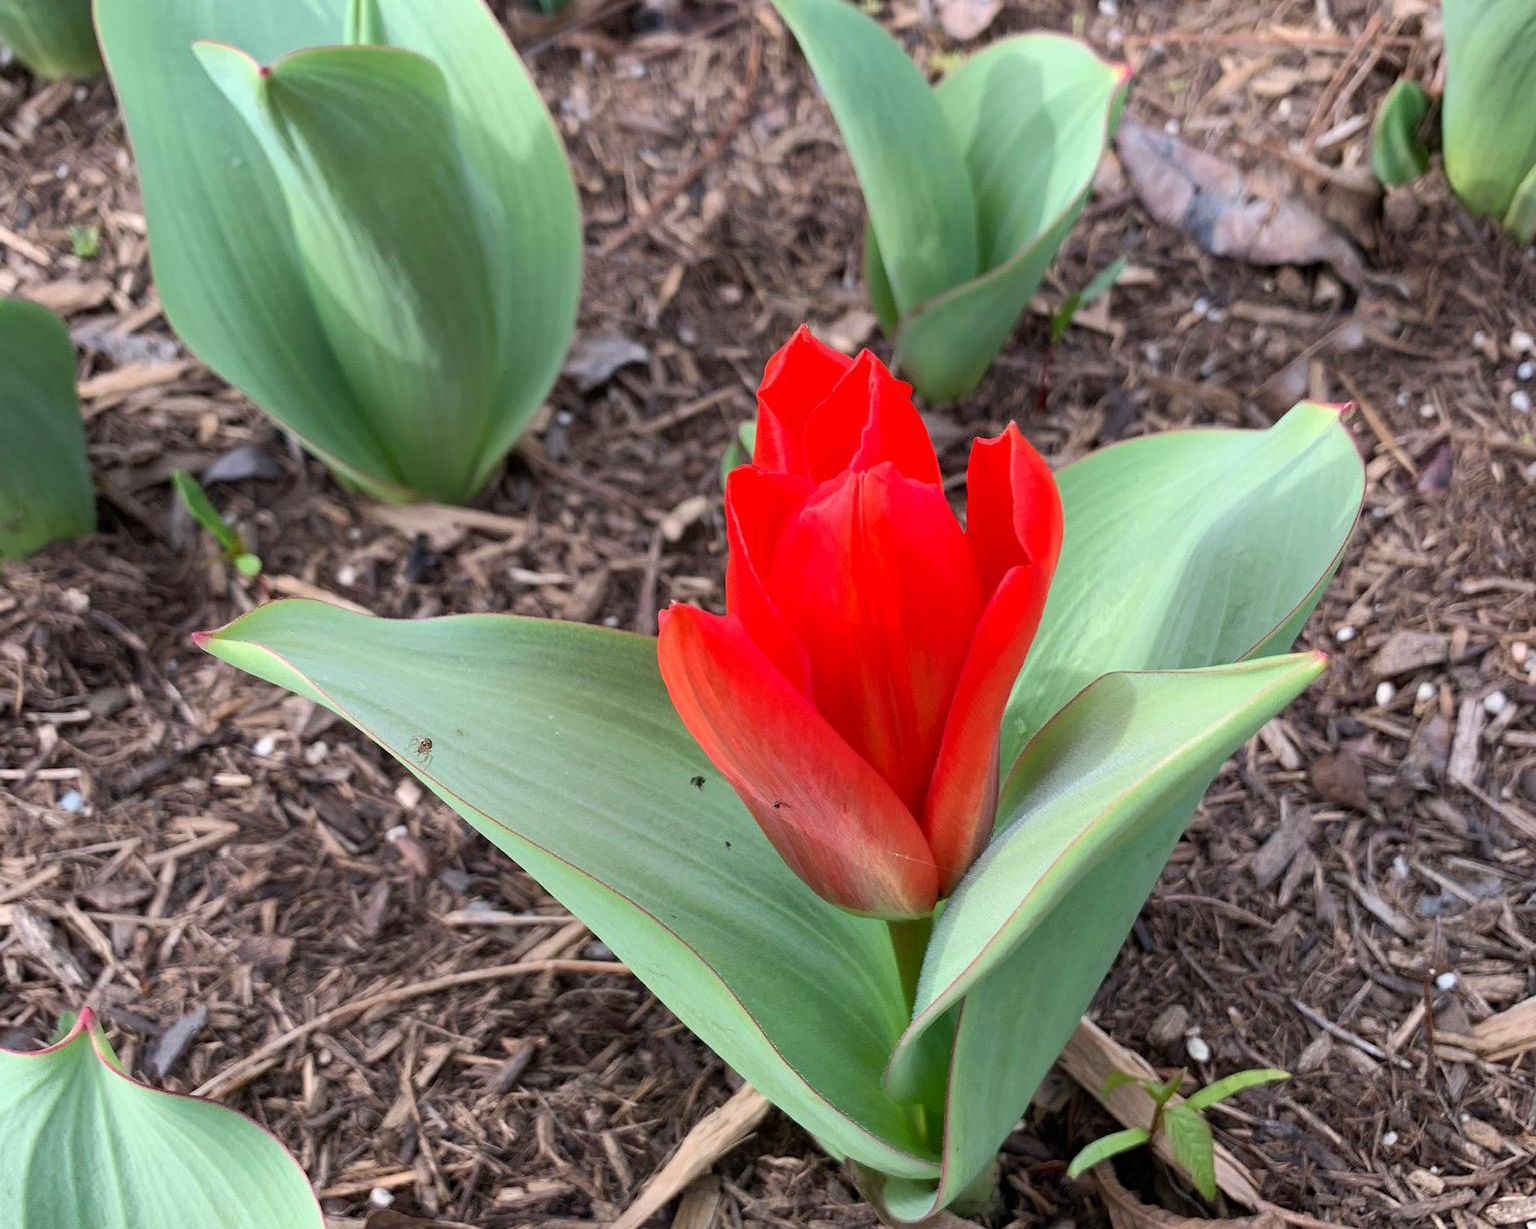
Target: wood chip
[(131, 379), (1126, 1211), (715, 1135), (68, 297), (1465, 748), (1288, 840), (1407, 651), (1511, 1210)]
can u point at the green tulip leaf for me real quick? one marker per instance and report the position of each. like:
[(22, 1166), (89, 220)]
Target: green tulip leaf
[(1520, 221), (1032, 115), (309, 229), (53, 38), (1092, 811), (412, 324), (1397, 152), (971, 187), (1490, 145), (909, 165), (85, 1145), (45, 479), (1186, 549), (558, 743), (1105, 1147)]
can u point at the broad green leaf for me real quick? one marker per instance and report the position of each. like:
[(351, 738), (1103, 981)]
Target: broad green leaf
[(231, 270), (1490, 59), (85, 1145), (394, 257), (45, 480), (1032, 115), (1193, 1149), (558, 743), (916, 187), (1520, 221), (53, 38), (1091, 812), (1105, 1147), (1191, 548), (1230, 1085), (1397, 152)]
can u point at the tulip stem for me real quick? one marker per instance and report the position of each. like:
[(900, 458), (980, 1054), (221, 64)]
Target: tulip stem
[(909, 940)]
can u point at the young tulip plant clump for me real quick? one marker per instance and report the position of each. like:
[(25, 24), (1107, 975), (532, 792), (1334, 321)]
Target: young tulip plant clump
[(877, 831), (360, 213)]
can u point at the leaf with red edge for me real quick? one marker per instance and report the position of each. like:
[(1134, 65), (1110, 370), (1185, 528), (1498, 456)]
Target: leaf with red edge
[(85, 1145)]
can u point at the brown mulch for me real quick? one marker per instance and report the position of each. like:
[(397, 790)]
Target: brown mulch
[(215, 863)]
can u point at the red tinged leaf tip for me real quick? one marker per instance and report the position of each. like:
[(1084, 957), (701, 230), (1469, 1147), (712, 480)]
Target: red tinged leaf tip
[(201, 638), (853, 691)]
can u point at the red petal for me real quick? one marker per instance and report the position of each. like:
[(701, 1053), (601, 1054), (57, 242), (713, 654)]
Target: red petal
[(875, 579), (757, 505), (957, 818), (867, 418), (1013, 510), (796, 380), (829, 814)]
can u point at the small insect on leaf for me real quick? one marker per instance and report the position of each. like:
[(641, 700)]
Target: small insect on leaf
[(697, 782), (421, 748)]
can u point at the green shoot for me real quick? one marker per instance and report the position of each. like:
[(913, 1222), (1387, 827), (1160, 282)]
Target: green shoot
[(739, 449), (85, 241), (1101, 282), (232, 545), (1181, 1123)]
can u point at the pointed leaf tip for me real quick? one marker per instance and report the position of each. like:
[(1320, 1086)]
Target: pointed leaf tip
[(201, 639)]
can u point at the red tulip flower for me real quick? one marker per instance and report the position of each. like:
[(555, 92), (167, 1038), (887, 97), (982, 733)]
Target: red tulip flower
[(853, 691)]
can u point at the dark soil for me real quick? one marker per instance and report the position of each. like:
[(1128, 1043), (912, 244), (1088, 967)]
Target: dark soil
[(199, 841)]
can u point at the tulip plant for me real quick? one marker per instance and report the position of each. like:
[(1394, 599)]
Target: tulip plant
[(1489, 141), (45, 479), (971, 186), (53, 38), (360, 213), (878, 830), (87, 1145)]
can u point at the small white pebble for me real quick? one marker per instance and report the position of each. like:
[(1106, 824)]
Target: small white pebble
[(1216, 315), (1520, 401), (610, 620), (1495, 702), (1285, 108), (265, 745), (1109, 8), (1426, 410), (1426, 692), (1385, 694), (395, 833), (1172, 127), (1479, 339), (72, 801), (1400, 866), (1345, 634), (346, 576), (1446, 981), (1519, 652), (1389, 1138), (1202, 305), (380, 1198), (1197, 1049), (1522, 342), (1402, 400), (1526, 370)]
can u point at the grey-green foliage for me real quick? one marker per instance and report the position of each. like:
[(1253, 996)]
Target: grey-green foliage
[(45, 480)]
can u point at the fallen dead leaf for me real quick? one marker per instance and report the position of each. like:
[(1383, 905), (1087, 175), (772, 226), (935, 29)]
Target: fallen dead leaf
[(963, 20), (1226, 212), (1340, 778)]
